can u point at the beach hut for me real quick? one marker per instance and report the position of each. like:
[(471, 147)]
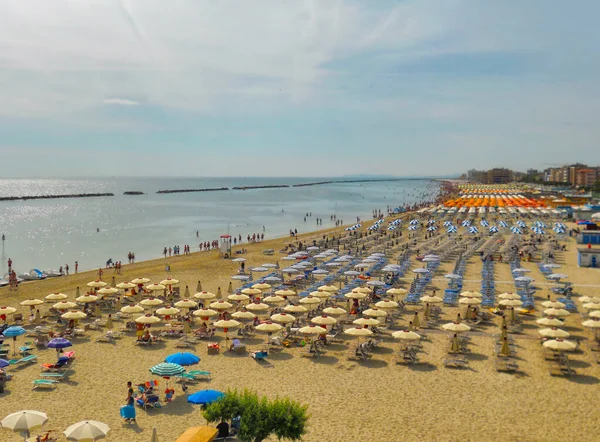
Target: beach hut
[(225, 246)]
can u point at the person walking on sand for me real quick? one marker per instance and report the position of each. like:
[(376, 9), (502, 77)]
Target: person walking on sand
[(9, 266), (100, 272), (76, 266), (67, 269)]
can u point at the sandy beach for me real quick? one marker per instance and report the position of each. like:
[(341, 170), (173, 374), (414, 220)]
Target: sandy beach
[(348, 400)]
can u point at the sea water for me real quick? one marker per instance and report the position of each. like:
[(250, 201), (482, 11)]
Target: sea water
[(47, 234)]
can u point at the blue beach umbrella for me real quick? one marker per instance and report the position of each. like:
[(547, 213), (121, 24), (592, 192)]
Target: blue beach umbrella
[(183, 358), (204, 397), (4, 363), (59, 344), (13, 332)]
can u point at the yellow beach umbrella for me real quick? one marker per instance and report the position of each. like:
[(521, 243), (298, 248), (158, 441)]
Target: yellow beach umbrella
[(554, 333), (310, 300), (594, 314), (365, 290), (374, 313), (511, 302), (251, 292), (220, 305), (243, 315), (334, 311), (86, 299), (552, 322), (147, 319), (295, 309), (227, 323), (321, 294), (31, 302), (140, 280), (329, 288), (553, 304), (559, 312), (205, 312), (132, 309), (97, 284), (396, 292), (469, 294), (509, 296), (323, 320), (312, 330), (268, 327), (151, 302), (257, 307), (386, 304), (355, 295), (456, 327), (107, 291), (358, 331), (186, 303), (285, 292), (591, 305), (237, 297), (283, 318), (273, 299), (431, 299), (205, 295), (560, 344), (56, 296), (75, 314), (591, 323), (155, 287), (366, 321), (125, 285), (170, 282), (7, 310), (406, 335), (167, 311)]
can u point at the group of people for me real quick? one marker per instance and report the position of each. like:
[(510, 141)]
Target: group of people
[(208, 245), (131, 257), (176, 250)]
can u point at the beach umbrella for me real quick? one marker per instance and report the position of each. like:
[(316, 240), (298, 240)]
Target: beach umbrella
[(374, 313), (366, 321), (59, 344), (167, 311), (257, 307), (147, 319), (220, 305), (239, 260), (511, 302), (350, 273), (262, 286), (556, 312), (238, 297), (376, 283), (227, 323), (509, 296), (431, 299), (109, 322), (312, 330), (155, 287), (365, 290), (243, 315), (259, 269), (295, 309), (125, 285), (525, 279), (7, 310), (31, 302), (591, 323), (452, 276), (132, 309), (229, 288), (86, 431), (151, 302), (169, 282), (167, 369), (86, 299), (205, 295), (205, 313), (183, 358), (55, 296), (505, 348), (396, 291), (251, 291), (97, 284), (310, 300), (456, 327), (154, 436), (594, 314), (74, 314), (4, 363), (586, 299), (553, 304), (406, 335), (334, 311), (386, 304), (285, 292), (521, 270), (186, 303), (328, 288), (283, 318), (591, 305), (421, 270), (358, 331), (199, 286), (273, 299), (13, 332), (323, 320), (138, 281), (268, 327), (552, 322), (470, 294), (554, 333), (320, 294), (474, 301), (557, 276), (355, 295), (24, 420), (204, 397), (552, 266), (107, 291), (560, 344)]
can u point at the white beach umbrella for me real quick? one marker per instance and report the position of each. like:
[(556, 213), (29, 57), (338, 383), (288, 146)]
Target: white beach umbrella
[(87, 431), (220, 305), (309, 300), (205, 296), (554, 333), (24, 420), (591, 305), (295, 309), (374, 313), (96, 284), (132, 309), (147, 319), (366, 321), (386, 304), (511, 302), (323, 320), (125, 285), (334, 311), (560, 344), (553, 304), (456, 327), (257, 307), (140, 280), (431, 299), (205, 313), (167, 311), (273, 299), (151, 302), (243, 315), (551, 322), (238, 297), (406, 335), (56, 296), (283, 318), (509, 296), (556, 312)]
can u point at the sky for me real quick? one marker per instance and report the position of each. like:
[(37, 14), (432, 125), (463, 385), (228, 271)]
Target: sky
[(296, 88)]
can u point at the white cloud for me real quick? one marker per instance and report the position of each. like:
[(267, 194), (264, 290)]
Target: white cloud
[(121, 101)]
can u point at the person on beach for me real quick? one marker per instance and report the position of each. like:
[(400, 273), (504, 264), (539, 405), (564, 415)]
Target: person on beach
[(100, 272), (76, 266), (9, 265), (67, 269)]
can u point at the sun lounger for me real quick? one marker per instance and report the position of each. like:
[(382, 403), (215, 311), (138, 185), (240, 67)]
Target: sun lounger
[(54, 376), (200, 374), (23, 361), (455, 362), (25, 350), (259, 355), (44, 383), (561, 369), (504, 364)]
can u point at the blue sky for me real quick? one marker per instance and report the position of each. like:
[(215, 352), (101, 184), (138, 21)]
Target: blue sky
[(303, 88)]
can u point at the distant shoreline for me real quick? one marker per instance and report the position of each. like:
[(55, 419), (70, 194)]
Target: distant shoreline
[(168, 191)]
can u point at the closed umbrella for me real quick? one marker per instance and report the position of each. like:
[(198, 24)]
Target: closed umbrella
[(505, 348), (109, 322), (13, 332), (87, 430)]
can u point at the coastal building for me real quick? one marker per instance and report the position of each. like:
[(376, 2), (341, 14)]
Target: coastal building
[(477, 176), (588, 257), (585, 177), (499, 176)]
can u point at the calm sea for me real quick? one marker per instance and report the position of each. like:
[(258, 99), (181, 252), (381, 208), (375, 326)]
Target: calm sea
[(46, 234)]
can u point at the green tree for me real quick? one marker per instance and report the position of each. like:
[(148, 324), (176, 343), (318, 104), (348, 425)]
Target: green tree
[(259, 417)]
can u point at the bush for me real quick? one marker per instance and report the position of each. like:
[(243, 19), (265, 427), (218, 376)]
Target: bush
[(259, 417)]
